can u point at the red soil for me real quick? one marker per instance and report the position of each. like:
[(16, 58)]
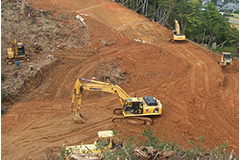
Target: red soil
[(199, 98)]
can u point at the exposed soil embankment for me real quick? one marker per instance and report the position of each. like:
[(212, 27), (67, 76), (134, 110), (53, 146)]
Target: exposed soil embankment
[(199, 97)]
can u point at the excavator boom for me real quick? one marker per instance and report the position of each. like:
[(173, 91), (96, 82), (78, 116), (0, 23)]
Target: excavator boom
[(177, 27), (93, 85)]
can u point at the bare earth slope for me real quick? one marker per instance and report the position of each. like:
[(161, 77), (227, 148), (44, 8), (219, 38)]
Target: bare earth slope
[(199, 98)]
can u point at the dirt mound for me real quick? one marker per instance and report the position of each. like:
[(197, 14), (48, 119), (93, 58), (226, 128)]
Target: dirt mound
[(198, 97)]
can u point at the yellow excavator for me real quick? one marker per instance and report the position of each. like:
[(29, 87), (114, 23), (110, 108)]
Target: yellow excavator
[(176, 35), (16, 52), (226, 59), (132, 108)]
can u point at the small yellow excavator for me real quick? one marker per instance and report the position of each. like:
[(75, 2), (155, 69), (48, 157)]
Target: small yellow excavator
[(133, 108), (176, 35), (16, 52), (226, 59)]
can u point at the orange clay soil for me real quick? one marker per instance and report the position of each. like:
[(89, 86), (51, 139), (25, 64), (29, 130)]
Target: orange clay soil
[(199, 97)]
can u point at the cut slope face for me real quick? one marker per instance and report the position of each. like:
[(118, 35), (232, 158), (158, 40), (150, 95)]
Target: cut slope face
[(198, 98)]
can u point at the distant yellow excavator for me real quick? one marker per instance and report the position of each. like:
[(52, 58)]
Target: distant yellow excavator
[(226, 59), (16, 52), (176, 35), (132, 107)]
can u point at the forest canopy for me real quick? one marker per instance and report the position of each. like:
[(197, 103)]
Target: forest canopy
[(202, 24)]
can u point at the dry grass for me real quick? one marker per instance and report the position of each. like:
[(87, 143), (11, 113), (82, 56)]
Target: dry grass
[(234, 21)]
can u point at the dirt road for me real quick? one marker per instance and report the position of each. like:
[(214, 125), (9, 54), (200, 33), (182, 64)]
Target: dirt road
[(199, 98)]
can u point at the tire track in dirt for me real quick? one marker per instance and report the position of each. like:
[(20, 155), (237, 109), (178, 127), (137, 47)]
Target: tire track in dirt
[(92, 127), (206, 78), (205, 67), (47, 139), (178, 49), (198, 66), (81, 10), (187, 113), (199, 74), (72, 57), (89, 64), (231, 86), (193, 74), (223, 130)]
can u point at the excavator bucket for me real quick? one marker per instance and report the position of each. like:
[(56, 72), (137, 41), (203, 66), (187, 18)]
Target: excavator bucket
[(222, 64), (79, 119)]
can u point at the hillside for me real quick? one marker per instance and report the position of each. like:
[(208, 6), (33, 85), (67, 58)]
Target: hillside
[(199, 97)]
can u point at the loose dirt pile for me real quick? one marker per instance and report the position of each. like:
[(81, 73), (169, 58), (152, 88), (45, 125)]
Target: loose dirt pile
[(199, 98)]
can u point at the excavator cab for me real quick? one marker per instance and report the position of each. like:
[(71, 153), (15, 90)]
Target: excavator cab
[(144, 106), (133, 105), (20, 48)]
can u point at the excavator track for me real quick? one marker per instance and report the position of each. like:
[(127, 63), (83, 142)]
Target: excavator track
[(178, 41), (117, 110), (133, 120), (12, 61)]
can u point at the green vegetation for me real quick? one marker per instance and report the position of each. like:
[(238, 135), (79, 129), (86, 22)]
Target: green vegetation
[(65, 16), (202, 24), (234, 20), (233, 50), (33, 21), (161, 148)]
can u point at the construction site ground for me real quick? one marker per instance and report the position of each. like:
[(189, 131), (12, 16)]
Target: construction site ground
[(199, 97)]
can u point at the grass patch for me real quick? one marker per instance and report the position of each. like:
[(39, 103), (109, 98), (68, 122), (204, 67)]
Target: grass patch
[(234, 21), (233, 50)]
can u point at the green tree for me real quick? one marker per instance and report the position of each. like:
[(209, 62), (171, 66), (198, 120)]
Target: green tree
[(212, 22), (165, 8), (201, 26), (181, 9), (193, 16)]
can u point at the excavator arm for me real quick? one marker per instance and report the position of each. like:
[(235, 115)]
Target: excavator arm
[(177, 27), (93, 85)]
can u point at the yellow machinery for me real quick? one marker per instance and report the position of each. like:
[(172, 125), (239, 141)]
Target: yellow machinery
[(176, 35), (105, 142), (132, 107), (16, 52), (226, 59)]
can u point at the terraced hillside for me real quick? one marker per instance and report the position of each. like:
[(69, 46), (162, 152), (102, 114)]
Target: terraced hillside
[(199, 97)]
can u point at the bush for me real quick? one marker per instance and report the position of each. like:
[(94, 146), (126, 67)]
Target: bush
[(155, 148)]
